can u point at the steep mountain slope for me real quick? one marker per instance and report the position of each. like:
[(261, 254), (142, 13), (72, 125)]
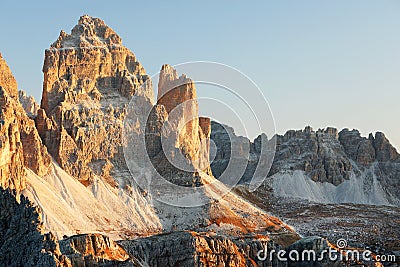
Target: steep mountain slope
[(69, 208)]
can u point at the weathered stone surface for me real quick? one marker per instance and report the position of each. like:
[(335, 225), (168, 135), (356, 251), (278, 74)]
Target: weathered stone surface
[(359, 149), (20, 144), (94, 250), (199, 249), (244, 159), (28, 103), (383, 149), (12, 170), (376, 154), (184, 131), (324, 155), (89, 78), (317, 153), (22, 242), (7, 80)]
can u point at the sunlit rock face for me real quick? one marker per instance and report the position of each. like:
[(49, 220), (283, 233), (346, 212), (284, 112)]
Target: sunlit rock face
[(20, 144), (89, 78), (94, 250), (184, 131), (7, 80)]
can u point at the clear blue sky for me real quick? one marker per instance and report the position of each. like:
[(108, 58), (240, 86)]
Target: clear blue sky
[(319, 63)]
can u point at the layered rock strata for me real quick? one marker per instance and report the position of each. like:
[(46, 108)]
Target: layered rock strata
[(89, 78), (95, 250), (325, 156), (20, 143), (183, 139)]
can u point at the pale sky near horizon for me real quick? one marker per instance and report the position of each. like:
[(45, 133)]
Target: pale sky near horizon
[(319, 63)]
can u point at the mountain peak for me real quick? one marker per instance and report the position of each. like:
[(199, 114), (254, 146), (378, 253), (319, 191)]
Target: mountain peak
[(88, 32), (7, 80)]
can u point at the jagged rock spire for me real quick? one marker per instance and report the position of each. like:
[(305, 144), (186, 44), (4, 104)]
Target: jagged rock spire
[(7, 80), (89, 79)]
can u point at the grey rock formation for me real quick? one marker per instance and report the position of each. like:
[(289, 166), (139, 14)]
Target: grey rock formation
[(22, 242), (317, 153), (376, 154)]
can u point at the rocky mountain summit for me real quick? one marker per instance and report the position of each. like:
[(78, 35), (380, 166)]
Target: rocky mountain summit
[(102, 160), (89, 78)]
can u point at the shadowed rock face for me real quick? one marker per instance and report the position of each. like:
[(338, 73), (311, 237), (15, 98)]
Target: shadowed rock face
[(318, 153), (89, 78), (7, 80), (325, 155), (20, 144), (22, 242)]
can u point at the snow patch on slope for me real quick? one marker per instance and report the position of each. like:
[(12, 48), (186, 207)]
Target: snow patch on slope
[(364, 189), (69, 208)]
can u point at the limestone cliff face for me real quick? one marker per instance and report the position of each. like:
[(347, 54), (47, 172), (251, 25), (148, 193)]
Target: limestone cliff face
[(89, 78), (377, 155), (20, 144), (325, 155), (187, 249), (7, 80), (184, 131), (94, 250), (28, 103)]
